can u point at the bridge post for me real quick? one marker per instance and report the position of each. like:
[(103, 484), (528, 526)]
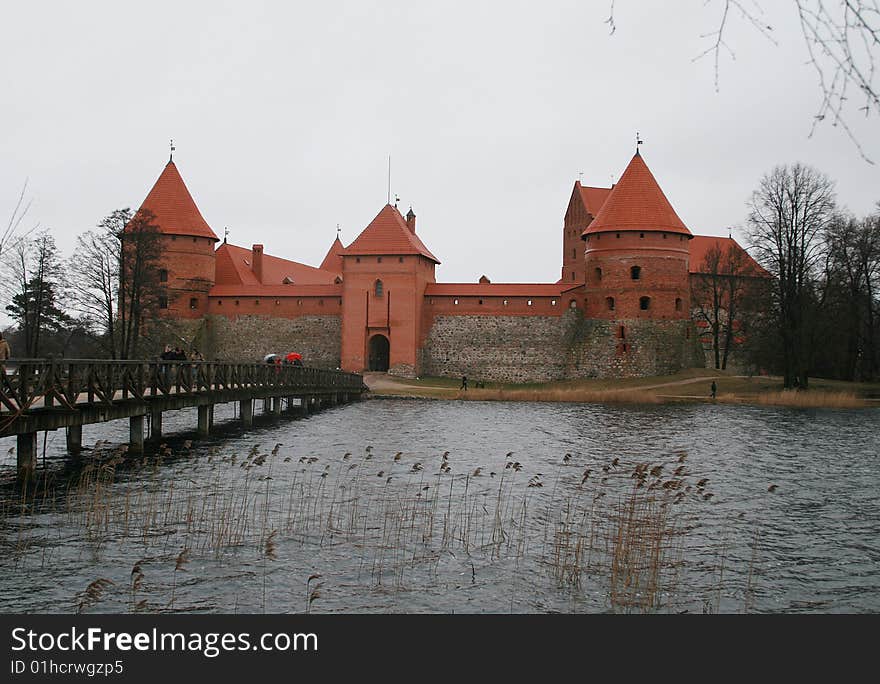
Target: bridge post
[(155, 424), (27, 454), (246, 411), (74, 439), (205, 416), (136, 434), (276, 405), (303, 408)]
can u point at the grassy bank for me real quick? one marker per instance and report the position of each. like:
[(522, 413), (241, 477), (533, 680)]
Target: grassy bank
[(692, 385)]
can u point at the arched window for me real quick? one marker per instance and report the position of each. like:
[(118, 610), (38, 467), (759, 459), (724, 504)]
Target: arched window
[(645, 303), (621, 332), (678, 303), (635, 272), (378, 288), (609, 301), (572, 304), (598, 274)]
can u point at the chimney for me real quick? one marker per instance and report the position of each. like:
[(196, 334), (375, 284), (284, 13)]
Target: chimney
[(257, 262), (411, 221)]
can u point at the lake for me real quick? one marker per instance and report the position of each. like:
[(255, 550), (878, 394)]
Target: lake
[(420, 506)]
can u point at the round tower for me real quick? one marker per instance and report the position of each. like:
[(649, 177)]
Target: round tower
[(636, 253), (187, 241)]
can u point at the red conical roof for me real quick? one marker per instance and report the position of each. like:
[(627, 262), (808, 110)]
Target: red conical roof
[(389, 234), (175, 211), (636, 202), (333, 260)]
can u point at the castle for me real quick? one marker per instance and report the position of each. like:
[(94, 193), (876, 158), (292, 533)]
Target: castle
[(621, 307)]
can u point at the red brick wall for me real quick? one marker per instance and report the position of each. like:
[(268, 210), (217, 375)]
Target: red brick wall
[(190, 265), (396, 313), (577, 218), (276, 307), (663, 262)]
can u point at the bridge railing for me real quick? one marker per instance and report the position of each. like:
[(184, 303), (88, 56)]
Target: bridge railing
[(29, 384)]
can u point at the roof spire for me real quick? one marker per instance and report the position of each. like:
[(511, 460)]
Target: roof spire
[(639, 141), (338, 231), (225, 233), (171, 156)]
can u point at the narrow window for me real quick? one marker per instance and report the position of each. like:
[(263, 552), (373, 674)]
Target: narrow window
[(357, 259), (299, 302), (572, 275), (618, 235), (195, 239), (163, 302), (505, 302), (573, 304), (552, 302), (219, 302), (257, 302), (400, 260), (277, 302), (379, 288), (574, 252), (645, 303), (598, 274), (635, 272), (678, 303), (379, 260), (529, 302), (320, 302), (163, 275), (481, 302), (193, 303), (609, 302), (236, 302), (664, 236), (455, 301), (641, 235), (621, 332)]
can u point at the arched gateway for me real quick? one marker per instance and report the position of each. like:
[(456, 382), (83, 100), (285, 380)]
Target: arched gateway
[(380, 350)]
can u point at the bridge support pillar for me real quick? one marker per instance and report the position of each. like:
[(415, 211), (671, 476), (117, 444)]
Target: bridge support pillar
[(246, 411), (303, 408), (27, 454), (276, 405), (155, 424), (74, 439), (205, 419), (136, 435)]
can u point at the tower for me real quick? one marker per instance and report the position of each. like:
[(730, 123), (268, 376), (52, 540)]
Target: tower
[(636, 256), (385, 272), (187, 242), (583, 206)]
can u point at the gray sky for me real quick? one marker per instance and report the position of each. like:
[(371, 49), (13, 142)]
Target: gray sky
[(284, 115)]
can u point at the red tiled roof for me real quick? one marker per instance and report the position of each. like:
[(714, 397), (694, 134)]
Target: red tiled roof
[(493, 289), (389, 234), (636, 202), (593, 198), (701, 244), (333, 260), (175, 211), (234, 267)]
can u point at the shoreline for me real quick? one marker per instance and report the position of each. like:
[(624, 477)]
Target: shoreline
[(731, 389)]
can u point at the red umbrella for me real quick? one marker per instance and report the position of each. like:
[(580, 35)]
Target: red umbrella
[(292, 356)]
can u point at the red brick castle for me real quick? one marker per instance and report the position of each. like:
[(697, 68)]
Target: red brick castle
[(622, 306)]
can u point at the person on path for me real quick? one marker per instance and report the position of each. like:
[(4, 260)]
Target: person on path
[(714, 389), (463, 383)]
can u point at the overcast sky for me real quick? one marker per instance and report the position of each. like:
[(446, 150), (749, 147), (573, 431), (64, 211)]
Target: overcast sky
[(284, 114)]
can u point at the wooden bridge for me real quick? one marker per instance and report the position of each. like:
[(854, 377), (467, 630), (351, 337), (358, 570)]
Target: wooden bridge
[(41, 394)]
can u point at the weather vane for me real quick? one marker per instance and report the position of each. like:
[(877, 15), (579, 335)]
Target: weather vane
[(225, 232), (171, 156), (639, 141), (338, 230), (580, 176)]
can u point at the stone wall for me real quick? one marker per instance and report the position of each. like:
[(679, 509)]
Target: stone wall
[(250, 338), (499, 348), (545, 348), (633, 348)]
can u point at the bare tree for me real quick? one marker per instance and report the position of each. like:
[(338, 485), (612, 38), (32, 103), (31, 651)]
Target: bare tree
[(35, 304), (789, 214), (850, 290), (13, 234), (117, 266), (725, 281), (842, 40)]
